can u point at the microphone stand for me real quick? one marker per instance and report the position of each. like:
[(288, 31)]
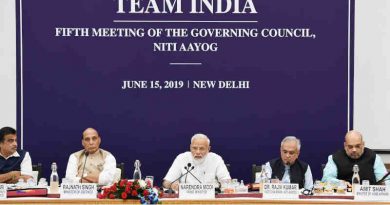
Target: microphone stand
[(170, 190), (188, 168), (85, 162), (189, 171)]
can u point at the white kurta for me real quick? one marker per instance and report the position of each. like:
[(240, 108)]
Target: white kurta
[(211, 170)]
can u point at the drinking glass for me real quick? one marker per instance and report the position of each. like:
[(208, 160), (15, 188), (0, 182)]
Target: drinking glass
[(149, 179)]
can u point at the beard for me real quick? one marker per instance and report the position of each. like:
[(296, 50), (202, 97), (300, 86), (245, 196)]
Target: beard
[(199, 161)]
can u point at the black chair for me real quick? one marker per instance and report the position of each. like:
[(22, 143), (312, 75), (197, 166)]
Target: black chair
[(121, 166), (39, 168), (255, 169), (322, 168)]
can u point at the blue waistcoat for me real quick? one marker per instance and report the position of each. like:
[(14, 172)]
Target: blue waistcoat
[(12, 163)]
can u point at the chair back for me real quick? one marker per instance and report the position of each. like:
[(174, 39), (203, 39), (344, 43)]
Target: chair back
[(35, 177), (39, 169), (121, 166), (255, 169), (117, 176)]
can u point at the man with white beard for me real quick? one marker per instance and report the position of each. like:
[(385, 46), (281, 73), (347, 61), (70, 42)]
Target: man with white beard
[(205, 166)]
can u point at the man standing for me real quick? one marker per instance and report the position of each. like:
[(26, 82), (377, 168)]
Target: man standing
[(92, 164), (340, 164), (288, 168), (205, 166), (14, 165)]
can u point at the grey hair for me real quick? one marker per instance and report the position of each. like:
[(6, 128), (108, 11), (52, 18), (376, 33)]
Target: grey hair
[(200, 136), (292, 138)]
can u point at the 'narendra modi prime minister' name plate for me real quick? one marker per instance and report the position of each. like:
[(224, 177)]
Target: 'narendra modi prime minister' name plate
[(196, 191)]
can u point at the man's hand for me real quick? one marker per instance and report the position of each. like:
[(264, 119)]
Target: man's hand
[(346, 183), (25, 177), (175, 186), (168, 184), (91, 178), (11, 177)]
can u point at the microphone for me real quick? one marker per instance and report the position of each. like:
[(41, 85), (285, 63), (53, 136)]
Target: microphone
[(85, 162), (170, 191), (188, 167), (383, 178)]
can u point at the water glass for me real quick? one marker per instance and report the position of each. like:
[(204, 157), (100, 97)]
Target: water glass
[(149, 179), (66, 181), (365, 182), (42, 182), (31, 182)]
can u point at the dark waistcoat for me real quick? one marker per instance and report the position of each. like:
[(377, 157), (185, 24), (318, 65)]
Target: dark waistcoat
[(12, 163), (297, 171), (345, 164)]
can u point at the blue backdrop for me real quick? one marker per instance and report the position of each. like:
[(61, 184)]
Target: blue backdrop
[(298, 86)]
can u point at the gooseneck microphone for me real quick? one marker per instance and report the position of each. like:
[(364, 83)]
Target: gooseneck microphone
[(85, 162), (383, 179), (189, 169)]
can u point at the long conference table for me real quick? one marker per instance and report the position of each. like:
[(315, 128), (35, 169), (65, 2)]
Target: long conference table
[(220, 199)]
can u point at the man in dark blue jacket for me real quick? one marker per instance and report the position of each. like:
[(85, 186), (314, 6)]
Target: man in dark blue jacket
[(14, 164)]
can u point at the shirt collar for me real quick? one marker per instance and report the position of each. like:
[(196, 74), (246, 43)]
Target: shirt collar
[(15, 154)]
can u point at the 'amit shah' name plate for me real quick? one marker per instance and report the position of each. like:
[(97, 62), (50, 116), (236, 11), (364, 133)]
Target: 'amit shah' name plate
[(3, 191), (280, 191), (372, 193), (78, 191), (196, 191)]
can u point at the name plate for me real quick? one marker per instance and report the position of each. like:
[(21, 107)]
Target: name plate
[(372, 193), (3, 191), (78, 191), (280, 191), (196, 191)]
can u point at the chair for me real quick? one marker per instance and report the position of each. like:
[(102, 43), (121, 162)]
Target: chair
[(37, 172), (39, 168), (322, 168), (255, 169), (117, 175), (121, 166)]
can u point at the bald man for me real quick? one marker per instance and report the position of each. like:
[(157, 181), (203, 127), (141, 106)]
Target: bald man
[(340, 164), (206, 166), (95, 164)]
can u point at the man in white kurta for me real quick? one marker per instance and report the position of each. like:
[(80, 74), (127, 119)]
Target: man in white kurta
[(92, 164), (204, 166)]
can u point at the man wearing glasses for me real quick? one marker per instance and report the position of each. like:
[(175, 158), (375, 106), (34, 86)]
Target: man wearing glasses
[(288, 168), (340, 165)]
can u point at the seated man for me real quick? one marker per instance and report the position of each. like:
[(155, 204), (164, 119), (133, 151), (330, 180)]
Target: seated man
[(206, 166), (288, 168), (340, 164), (92, 164), (14, 165)]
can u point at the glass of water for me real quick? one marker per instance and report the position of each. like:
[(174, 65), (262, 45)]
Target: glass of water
[(149, 179), (365, 182)]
